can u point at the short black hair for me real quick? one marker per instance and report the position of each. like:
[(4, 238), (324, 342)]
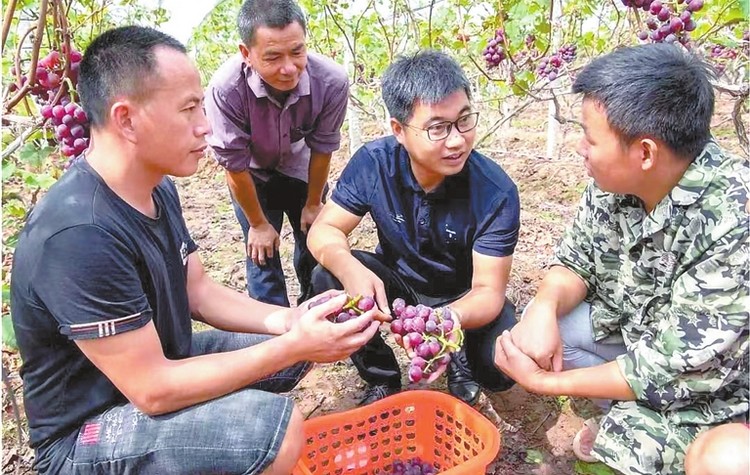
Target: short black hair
[(119, 61), (427, 77), (268, 13), (657, 90)]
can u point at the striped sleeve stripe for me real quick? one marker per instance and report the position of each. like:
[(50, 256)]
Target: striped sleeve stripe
[(106, 327)]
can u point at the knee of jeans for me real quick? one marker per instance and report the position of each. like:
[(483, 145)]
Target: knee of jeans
[(575, 329)]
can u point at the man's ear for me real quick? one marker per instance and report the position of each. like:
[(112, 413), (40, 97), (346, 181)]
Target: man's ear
[(649, 153), (245, 52), (122, 119), (398, 130)]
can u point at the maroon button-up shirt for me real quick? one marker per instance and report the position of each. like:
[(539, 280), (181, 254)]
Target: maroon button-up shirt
[(252, 131)]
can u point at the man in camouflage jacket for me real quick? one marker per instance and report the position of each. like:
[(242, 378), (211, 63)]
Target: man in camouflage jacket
[(646, 305)]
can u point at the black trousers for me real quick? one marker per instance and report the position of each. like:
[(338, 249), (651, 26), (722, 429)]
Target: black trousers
[(376, 362)]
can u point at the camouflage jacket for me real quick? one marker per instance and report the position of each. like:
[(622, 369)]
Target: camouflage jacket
[(673, 284)]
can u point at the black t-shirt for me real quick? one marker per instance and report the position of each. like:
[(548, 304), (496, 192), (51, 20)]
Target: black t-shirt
[(88, 265)]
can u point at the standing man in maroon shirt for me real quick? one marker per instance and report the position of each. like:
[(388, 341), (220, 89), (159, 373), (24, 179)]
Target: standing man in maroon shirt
[(276, 110)]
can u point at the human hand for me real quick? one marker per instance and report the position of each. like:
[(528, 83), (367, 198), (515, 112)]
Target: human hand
[(292, 315), (538, 336), (362, 281), (262, 242), (517, 365), (323, 341), (309, 213), (429, 337)]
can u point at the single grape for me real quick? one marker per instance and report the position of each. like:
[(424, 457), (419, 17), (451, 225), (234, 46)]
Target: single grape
[(415, 374), (366, 303)]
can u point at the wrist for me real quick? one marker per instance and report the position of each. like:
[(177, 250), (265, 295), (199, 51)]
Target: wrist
[(546, 383)]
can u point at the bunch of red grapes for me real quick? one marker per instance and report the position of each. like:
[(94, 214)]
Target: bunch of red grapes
[(719, 52), (665, 24), (431, 333), (414, 466), (494, 53), (354, 307), (69, 120), (567, 52), (550, 67)]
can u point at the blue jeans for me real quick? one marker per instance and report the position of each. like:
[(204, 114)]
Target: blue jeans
[(579, 348), (238, 433), (278, 196)]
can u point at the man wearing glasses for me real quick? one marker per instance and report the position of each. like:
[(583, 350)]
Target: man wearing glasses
[(447, 219)]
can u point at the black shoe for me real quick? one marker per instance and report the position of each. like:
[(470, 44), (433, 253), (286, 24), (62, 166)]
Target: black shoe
[(376, 393), (461, 383)]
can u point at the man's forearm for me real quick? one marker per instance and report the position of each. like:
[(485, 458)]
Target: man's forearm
[(242, 187), (330, 247), (602, 382), (233, 311), (561, 288), (190, 381), (317, 177), (479, 307)]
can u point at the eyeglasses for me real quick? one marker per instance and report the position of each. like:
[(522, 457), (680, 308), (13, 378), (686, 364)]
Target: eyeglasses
[(442, 130)]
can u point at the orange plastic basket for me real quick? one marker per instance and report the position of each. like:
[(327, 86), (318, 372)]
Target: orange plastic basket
[(433, 426)]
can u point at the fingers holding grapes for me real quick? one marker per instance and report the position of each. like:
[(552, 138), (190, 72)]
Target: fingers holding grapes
[(324, 337), (428, 335)]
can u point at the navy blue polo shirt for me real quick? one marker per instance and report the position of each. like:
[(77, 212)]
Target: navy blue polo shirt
[(428, 238)]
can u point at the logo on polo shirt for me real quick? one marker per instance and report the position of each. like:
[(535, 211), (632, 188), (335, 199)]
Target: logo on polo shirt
[(183, 253)]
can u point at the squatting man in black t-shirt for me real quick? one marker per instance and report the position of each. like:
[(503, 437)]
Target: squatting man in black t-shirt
[(105, 279)]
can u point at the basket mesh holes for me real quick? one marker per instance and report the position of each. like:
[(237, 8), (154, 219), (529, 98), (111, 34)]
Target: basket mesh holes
[(387, 441), (439, 427), (361, 437), (450, 419), (374, 445), (439, 413), (397, 438), (448, 432), (339, 471), (335, 431), (409, 422), (476, 439), (398, 450), (361, 424), (336, 444), (324, 449), (325, 463), (457, 452), (397, 425), (372, 419), (310, 440), (313, 468), (409, 409), (411, 436), (385, 429), (459, 425), (384, 415), (349, 440), (396, 412), (348, 427), (311, 454), (322, 435), (387, 454), (373, 432)]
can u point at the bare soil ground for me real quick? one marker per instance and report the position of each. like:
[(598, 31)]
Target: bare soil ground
[(536, 431)]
